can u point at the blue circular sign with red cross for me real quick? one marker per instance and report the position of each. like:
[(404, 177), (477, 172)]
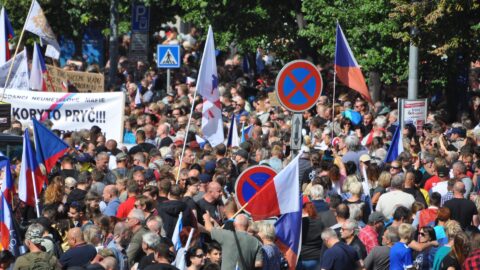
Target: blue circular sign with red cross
[(298, 85), (250, 181)]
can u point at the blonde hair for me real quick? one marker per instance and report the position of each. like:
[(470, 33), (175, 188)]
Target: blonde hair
[(405, 231), (350, 179), (384, 179), (452, 228), (267, 230)]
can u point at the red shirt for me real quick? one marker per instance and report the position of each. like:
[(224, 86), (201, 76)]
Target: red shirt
[(125, 207), (431, 182), (369, 237)]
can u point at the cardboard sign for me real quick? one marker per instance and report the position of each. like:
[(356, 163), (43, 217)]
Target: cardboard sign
[(83, 81)]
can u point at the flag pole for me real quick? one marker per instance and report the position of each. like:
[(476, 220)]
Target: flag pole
[(334, 87), (16, 52), (186, 134), (37, 207)]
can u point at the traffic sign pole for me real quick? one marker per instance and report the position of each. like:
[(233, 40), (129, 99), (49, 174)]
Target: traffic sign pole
[(168, 80), (296, 138)]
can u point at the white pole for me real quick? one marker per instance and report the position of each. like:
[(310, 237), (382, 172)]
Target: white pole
[(333, 103), (37, 207), (186, 134), (16, 52)]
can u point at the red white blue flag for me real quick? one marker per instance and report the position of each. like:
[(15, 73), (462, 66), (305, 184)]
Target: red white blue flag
[(279, 196), (7, 187), (28, 187), (50, 148), (6, 33), (347, 68), (39, 70), (288, 233)]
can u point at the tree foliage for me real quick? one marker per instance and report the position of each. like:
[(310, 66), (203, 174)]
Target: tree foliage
[(368, 30)]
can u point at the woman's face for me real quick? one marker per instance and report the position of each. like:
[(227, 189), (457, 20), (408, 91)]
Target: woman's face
[(94, 204), (198, 259), (423, 236)]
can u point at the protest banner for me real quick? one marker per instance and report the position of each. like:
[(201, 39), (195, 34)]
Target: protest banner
[(83, 81), (70, 111), (414, 111)]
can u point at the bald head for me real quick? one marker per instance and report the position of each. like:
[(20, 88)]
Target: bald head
[(241, 223), (459, 188), (109, 263), (76, 234)]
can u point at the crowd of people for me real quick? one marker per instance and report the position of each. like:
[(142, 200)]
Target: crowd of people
[(110, 205)]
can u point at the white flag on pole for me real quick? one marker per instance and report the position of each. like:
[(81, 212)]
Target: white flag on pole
[(207, 87), (37, 23)]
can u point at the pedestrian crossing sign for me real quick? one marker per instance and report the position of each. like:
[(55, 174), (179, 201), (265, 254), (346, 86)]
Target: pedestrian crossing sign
[(168, 56)]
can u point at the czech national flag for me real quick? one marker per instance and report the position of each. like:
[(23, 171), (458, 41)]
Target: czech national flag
[(347, 68), (246, 133), (29, 168), (7, 188), (6, 33), (288, 232), (50, 148), (6, 224), (396, 147), (279, 196), (39, 70)]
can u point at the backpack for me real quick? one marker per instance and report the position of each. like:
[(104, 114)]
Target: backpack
[(39, 263), (427, 217)]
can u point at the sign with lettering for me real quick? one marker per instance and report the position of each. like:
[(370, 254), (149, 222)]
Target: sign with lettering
[(70, 111), (83, 81)]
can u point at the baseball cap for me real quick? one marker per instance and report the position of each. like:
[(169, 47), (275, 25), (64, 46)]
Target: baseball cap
[(35, 233), (365, 158), (70, 182), (443, 172), (242, 153), (121, 156), (376, 217)]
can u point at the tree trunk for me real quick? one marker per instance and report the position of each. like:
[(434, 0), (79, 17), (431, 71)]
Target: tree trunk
[(374, 85)]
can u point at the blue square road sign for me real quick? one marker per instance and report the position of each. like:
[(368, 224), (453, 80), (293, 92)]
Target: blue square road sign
[(168, 56)]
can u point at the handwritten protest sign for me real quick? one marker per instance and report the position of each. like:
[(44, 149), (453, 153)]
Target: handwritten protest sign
[(83, 81)]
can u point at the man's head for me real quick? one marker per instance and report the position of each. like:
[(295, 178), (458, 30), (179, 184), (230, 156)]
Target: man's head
[(149, 241), (402, 214), (214, 191), (241, 223), (349, 229), (76, 211), (162, 253), (34, 235), (397, 181), (390, 236), (459, 189), (376, 220), (101, 161), (135, 219), (155, 225), (329, 237), (75, 237), (214, 252), (110, 192)]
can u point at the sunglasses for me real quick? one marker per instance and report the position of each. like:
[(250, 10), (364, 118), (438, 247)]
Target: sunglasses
[(396, 168), (422, 234), (199, 255)]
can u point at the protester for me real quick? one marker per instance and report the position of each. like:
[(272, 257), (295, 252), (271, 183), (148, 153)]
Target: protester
[(121, 200)]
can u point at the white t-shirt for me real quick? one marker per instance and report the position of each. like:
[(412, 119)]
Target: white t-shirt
[(441, 187), (388, 202)]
